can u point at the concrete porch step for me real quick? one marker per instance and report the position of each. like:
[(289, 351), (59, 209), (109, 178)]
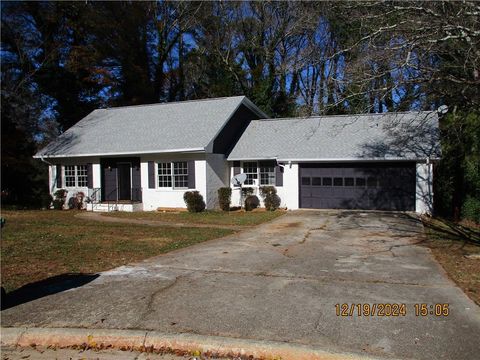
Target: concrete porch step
[(105, 207)]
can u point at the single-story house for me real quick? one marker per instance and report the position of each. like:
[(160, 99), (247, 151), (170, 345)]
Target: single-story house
[(145, 157)]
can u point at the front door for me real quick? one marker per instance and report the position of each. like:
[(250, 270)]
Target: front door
[(124, 181)]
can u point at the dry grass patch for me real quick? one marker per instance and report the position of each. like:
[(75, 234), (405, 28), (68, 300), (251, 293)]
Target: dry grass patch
[(233, 218), (37, 245), (451, 244)]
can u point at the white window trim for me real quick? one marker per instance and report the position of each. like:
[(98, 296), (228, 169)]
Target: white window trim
[(258, 174), (76, 175), (172, 176)]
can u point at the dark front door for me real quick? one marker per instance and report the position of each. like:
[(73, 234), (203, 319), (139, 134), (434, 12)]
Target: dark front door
[(387, 186), (124, 181)]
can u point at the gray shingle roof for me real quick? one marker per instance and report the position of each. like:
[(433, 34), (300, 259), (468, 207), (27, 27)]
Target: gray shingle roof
[(166, 127), (401, 136)]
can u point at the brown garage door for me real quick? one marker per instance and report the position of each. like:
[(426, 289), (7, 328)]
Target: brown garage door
[(385, 186)]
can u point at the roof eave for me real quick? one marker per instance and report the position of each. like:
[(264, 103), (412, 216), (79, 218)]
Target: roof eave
[(187, 150), (332, 160), (249, 104)]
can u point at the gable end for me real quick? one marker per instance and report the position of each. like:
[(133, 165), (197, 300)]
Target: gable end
[(233, 129)]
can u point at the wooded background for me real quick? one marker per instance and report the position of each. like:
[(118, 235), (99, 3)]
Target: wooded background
[(61, 60)]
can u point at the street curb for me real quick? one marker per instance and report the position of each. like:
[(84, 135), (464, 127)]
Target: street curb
[(153, 340)]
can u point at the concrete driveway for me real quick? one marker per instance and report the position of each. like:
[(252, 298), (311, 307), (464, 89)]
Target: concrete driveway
[(281, 281)]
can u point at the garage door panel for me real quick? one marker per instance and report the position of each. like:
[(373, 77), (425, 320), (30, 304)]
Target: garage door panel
[(360, 186)]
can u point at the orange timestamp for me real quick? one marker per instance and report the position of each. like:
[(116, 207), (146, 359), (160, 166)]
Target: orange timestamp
[(391, 310)]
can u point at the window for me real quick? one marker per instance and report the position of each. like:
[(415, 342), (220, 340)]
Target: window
[(349, 181), (317, 181), (82, 176), (360, 182), (267, 173), (70, 175), (173, 174), (326, 181), (338, 181), (165, 175), (305, 181), (251, 170), (263, 170), (180, 174), (76, 176)]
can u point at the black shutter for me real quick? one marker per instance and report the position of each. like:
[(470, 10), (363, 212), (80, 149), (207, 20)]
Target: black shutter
[(90, 175), (278, 175), (191, 174), (151, 175), (236, 168), (59, 176)]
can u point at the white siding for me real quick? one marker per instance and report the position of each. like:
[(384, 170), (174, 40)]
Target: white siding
[(171, 198), (72, 191), (288, 193), (424, 190)]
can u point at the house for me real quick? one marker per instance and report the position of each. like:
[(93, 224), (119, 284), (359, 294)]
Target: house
[(145, 157)]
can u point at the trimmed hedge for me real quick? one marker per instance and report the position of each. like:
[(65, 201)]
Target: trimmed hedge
[(225, 198), (194, 201), (270, 197)]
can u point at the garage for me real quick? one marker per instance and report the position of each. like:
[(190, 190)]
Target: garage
[(366, 186)]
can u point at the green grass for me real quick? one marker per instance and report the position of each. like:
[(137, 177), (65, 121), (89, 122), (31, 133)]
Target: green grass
[(37, 245), (235, 218)]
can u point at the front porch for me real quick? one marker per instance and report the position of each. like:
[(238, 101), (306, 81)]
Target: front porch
[(120, 190)]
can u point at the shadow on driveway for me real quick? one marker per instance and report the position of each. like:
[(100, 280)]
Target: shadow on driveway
[(39, 289)]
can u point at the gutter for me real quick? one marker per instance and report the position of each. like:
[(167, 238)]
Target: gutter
[(43, 160), (353, 160), (123, 153)]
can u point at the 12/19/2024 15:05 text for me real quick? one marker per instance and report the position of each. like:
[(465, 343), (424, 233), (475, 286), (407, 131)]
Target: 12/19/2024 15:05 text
[(393, 310)]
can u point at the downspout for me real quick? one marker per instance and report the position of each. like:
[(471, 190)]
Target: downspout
[(50, 164), (281, 165), (430, 185)]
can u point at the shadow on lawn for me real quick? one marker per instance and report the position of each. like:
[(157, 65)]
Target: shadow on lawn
[(39, 289), (452, 230)]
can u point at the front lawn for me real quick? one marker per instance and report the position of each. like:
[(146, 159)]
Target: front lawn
[(36, 245), (453, 246), (235, 218)]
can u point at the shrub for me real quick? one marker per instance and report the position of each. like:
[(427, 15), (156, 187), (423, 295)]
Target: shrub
[(59, 200), (45, 200), (194, 201), (225, 198), (471, 209), (251, 202), (270, 197), (58, 204), (247, 191), (60, 194), (76, 202)]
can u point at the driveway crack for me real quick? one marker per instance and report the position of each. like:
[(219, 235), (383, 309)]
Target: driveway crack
[(149, 307)]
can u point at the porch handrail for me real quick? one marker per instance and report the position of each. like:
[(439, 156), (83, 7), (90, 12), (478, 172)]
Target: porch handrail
[(94, 194)]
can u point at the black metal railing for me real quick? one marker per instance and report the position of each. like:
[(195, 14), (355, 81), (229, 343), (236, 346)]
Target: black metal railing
[(95, 195), (112, 198), (136, 194)]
